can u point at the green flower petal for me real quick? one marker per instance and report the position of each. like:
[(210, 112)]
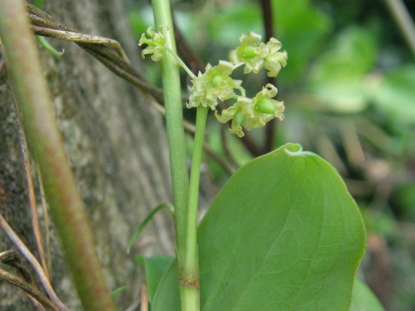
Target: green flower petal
[(227, 114), (237, 130), (275, 60), (212, 85), (155, 43)]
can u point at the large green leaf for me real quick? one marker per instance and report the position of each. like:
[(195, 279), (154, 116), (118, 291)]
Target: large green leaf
[(156, 267), (364, 299), (283, 234)]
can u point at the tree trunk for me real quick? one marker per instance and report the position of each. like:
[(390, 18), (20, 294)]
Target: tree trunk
[(117, 147)]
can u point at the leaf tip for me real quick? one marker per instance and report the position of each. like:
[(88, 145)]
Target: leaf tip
[(294, 150)]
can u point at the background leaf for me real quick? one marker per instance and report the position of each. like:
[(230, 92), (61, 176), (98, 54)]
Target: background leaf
[(167, 294), (156, 267), (395, 95), (283, 234), (302, 39), (363, 298), (338, 78)]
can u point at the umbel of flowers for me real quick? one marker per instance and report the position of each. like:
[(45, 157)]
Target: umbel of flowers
[(216, 82)]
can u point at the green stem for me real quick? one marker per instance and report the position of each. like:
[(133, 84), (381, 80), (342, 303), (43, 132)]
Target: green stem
[(46, 45), (176, 141), (42, 132), (191, 263), (181, 63), (191, 266)]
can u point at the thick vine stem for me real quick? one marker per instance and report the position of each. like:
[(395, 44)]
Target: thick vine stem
[(42, 132)]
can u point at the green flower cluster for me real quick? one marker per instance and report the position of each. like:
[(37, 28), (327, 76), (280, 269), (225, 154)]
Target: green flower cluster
[(212, 85), (254, 112), (216, 83), (257, 55)]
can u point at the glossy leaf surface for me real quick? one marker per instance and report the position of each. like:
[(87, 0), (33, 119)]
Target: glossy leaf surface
[(283, 234)]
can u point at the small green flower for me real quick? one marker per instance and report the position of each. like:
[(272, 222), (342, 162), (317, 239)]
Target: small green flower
[(253, 113), (251, 52), (274, 60), (155, 43), (213, 84), (257, 55)]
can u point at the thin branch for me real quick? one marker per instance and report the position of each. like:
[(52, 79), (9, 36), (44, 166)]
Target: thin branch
[(32, 199), (226, 149), (228, 169), (46, 220), (403, 20), (47, 22), (13, 259), (33, 262), (32, 292), (144, 298), (251, 146), (187, 53), (267, 19), (270, 128)]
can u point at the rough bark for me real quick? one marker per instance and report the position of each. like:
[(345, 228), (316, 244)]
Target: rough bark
[(116, 144)]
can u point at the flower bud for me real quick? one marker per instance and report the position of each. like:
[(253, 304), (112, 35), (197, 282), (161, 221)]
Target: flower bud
[(249, 52), (239, 118), (265, 106), (216, 80)]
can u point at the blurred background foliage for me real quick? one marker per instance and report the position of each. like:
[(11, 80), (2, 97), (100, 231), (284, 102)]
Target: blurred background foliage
[(349, 92)]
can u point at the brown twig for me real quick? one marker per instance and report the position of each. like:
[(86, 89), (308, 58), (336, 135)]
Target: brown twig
[(46, 220), (134, 306), (144, 298), (107, 51), (13, 259), (33, 262), (34, 294), (270, 128), (141, 301), (227, 168), (33, 204)]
